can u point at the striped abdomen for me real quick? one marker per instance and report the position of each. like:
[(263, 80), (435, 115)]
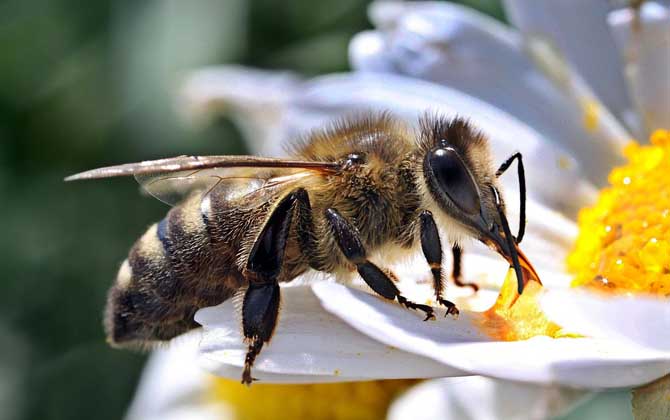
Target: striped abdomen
[(181, 264)]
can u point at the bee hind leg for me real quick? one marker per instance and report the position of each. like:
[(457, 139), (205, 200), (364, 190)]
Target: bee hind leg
[(348, 239), (260, 306), (432, 251), (259, 318)]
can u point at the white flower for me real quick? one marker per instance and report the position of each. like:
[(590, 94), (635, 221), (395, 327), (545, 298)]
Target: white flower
[(172, 389), (565, 92)]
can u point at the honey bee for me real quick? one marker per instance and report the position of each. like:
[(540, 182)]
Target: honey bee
[(243, 224)]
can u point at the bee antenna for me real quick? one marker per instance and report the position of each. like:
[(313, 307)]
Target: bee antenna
[(510, 241)]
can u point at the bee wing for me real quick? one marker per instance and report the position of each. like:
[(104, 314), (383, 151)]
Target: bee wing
[(172, 179), (172, 187), (192, 163)]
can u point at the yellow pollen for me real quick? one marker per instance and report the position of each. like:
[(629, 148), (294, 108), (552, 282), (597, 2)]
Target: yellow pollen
[(518, 317), (624, 239), (344, 400), (591, 114)]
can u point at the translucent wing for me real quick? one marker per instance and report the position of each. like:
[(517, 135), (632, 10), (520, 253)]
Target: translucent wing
[(172, 187), (170, 180)]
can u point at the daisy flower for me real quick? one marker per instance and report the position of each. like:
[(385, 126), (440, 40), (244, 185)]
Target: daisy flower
[(569, 87)]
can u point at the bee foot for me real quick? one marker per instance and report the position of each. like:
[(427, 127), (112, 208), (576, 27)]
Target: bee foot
[(451, 307), (430, 313), (246, 377), (254, 348)]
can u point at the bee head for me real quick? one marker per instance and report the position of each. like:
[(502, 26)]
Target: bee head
[(459, 176)]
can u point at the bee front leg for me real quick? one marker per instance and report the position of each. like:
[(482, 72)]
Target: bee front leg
[(521, 173), (348, 239), (456, 274), (432, 250), (260, 306)]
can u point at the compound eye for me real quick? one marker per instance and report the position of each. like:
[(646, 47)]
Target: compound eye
[(454, 179)]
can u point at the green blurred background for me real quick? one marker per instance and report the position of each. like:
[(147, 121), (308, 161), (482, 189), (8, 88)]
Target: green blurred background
[(86, 84)]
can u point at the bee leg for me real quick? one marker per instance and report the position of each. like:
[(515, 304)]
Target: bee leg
[(432, 250), (457, 253), (305, 230), (259, 318), (348, 239), (522, 190), (260, 306)]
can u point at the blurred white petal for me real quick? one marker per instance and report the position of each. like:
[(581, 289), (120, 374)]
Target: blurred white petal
[(644, 43), (637, 320), (172, 387), (480, 398), (596, 117), (309, 345), (460, 343), (367, 51), (466, 50), (254, 98), (579, 30)]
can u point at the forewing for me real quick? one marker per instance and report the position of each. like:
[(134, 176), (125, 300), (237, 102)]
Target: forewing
[(172, 179), (186, 163)]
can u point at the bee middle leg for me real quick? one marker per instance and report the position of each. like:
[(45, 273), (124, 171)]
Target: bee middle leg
[(432, 250), (348, 239), (260, 306)]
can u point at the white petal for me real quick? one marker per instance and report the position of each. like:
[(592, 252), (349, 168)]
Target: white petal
[(173, 386), (579, 30), (254, 98), (367, 51), (480, 398), (460, 343), (644, 43), (466, 50), (327, 97), (309, 345), (637, 320)]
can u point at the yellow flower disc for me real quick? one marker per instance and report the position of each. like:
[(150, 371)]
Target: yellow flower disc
[(624, 239), (344, 400)]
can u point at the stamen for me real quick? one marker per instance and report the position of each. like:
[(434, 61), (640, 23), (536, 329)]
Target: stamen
[(624, 240)]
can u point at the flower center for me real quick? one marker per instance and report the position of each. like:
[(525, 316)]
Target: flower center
[(344, 400), (624, 239)]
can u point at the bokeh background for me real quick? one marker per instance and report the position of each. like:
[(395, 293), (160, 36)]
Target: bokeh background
[(86, 84)]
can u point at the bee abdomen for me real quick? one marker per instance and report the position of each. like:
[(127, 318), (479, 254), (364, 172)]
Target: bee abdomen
[(170, 273)]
